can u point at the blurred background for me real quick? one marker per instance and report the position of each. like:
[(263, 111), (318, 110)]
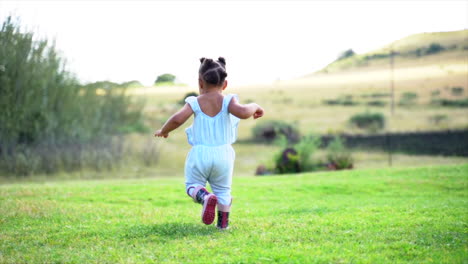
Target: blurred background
[(345, 84)]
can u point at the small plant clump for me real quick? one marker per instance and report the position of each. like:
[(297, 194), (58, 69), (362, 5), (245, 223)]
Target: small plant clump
[(338, 156), (269, 131), (438, 119), (408, 99), (457, 91), (293, 158), (450, 103), (182, 101), (371, 122)]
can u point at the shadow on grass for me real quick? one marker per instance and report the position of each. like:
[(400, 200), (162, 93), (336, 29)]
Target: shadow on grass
[(169, 230)]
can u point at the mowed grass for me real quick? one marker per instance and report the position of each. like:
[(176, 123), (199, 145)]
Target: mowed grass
[(416, 215)]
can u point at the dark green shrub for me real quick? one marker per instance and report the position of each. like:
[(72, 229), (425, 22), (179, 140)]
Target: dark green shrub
[(408, 99), (450, 103), (296, 158), (338, 156), (269, 131), (434, 48), (368, 121), (287, 162), (182, 101), (346, 54), (457, 91), (379, 103), (346, 100)]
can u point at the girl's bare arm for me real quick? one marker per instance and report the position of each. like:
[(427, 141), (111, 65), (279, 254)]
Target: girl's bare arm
[(245, 111), (175, 121)]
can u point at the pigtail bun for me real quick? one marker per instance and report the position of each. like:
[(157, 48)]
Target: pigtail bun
[(213, 72), (222, 61)]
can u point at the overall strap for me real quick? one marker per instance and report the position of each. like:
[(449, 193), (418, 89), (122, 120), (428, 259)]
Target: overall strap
[(193, 102)]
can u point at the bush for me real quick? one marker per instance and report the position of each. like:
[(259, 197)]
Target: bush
[(435, 93), (408, 99), (296, 158), (457, 91), (346, 54), (182, 101), (338, 156), (450, 103), (165, 78), (380, 95), (378, 103), (47, 117), (368, 121), (346, 100), (434, 48), (269, 131)]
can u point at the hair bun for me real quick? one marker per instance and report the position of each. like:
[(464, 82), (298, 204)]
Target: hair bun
[(202, 59), (222, 61)]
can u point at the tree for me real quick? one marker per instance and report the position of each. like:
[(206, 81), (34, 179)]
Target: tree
[(165, 78), (346, 54)]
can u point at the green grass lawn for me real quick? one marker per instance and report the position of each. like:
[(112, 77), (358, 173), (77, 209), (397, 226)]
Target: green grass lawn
[(416, 215)]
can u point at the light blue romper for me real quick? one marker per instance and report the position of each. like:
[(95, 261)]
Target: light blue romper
[(211, 158)]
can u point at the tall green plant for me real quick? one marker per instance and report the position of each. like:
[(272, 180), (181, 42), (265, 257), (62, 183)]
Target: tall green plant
[(44, 108)]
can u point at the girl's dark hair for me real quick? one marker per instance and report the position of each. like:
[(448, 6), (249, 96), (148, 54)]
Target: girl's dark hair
[(213, 72)]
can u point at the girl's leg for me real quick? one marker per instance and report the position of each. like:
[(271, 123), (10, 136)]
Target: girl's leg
[(195, 180), (221, 181)]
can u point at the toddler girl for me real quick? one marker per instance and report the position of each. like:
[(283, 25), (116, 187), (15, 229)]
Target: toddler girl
[(214, 129)]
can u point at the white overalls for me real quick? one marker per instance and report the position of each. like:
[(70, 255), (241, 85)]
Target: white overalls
[(211, 158)]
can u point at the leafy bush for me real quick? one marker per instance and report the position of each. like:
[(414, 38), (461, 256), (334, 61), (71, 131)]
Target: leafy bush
[(346, 100), (435, 93), (368, 121), (268, 131), (379, 103), (182, 101), (408, 98), (47, 117), (450, 103), (457, 91), (296, 158), (434, 48), (338, 156), (376, 95), (346, 54), (165, 78)]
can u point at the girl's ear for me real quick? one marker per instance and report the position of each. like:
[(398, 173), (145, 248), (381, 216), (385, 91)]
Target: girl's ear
[(202, 60), (224, 84), (200, 83)]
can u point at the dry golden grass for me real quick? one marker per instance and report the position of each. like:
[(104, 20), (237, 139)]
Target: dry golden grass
[(301, 102)]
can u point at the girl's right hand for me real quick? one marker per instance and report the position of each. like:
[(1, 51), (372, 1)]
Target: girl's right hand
[(258, 113)]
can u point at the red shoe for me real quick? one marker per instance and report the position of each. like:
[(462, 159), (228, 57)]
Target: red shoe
[(223, 220), (209, 201), (209, 209)]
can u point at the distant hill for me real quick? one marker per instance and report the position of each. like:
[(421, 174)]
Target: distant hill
[(412, 48)]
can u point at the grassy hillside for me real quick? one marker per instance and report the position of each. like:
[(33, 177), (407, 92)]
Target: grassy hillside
[(365, 216), (413, 49)]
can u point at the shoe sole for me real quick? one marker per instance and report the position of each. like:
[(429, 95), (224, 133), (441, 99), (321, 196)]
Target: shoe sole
[(209, 209)]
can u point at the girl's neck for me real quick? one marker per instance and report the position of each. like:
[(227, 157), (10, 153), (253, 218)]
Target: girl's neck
[(212, 90)]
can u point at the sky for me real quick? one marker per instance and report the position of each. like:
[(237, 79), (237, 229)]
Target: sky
[(262, 41)]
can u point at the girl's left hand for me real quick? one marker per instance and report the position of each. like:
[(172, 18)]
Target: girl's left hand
[(160, 134)]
